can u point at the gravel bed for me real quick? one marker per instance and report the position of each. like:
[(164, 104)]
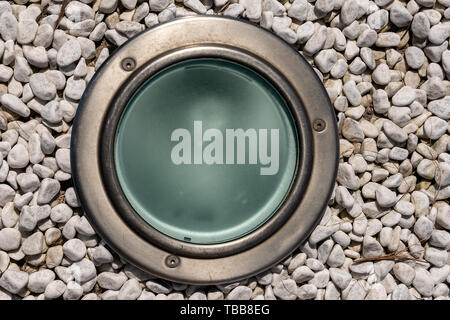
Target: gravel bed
[(386, 67)]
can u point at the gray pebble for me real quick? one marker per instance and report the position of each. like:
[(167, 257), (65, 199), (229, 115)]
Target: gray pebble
[(14, 104), (378, 20), (61, 213), (42, 87), (394, 132), (439, 33), (385, 197), (399, 15), (83, 270), (48, 190), (423, 228), (18, 157), (302, 274), (401, 292), (34, 244), (420, 26), (108, 6), (316, 42), (434, 88), (443, 217), (26, 31), (54, 289), (286, 289), (111, 281), (69, 53), (423, 282), (352, 10), (38, 281), (298, 10), (195, 5), (158, 287), (44, 36), (9, 239), (387, 39), (159, 5), (371, 247), (27, 219), (14, 281), (130, 290), (415, 57), (307, 292), (240, 293), (340, 278), (74, 249), (404, 273), (8, 26), (73, 291), (436, 257)]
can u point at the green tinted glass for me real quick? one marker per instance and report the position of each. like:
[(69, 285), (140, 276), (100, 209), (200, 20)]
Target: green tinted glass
[(206, 151)]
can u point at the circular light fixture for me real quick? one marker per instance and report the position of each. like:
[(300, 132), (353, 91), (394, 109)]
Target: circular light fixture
[(204, 150)]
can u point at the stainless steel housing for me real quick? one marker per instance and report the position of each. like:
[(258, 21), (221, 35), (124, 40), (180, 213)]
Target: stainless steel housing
[(121, 75)]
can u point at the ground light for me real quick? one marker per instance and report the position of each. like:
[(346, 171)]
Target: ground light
[(204, 150)]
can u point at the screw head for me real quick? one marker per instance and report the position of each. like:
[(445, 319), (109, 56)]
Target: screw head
[(319, 125), (172, 261), (128, 64)]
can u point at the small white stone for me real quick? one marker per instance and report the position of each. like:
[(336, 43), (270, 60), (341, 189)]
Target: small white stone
[(112, 281), (9, 239), (42, 87), (440, 108), (69, 53), (55, 289), (83, 270), (13, 281), (404, 273), (62, 157), (34, 244), (404, 97), (381, 75), (423, 228), (61, 213), (26, 31), (387, 39), (302, 274), (73, 291), (436, 257), (340, 277), (130, 290), (371, 247), (240, 293), (18, 157), (399, 15), (434, 88), (415, 57), (423, 282), (443, 217), (8, 26), (439, 33), (74, 249), (307, 292), (108, 6), (195, 5), (286, 289), (316, 41), (14, 104), (38, 281)]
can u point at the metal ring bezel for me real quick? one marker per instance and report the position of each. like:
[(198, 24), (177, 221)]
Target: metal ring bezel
[(234, 263)]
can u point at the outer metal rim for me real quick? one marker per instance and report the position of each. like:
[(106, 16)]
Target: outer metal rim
[(86, 146)]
